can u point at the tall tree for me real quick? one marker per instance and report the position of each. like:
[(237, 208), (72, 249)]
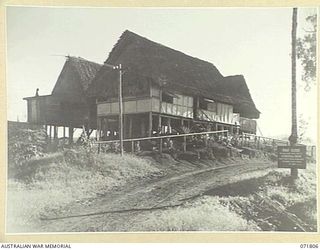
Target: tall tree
[(294, 133), (293, 137)]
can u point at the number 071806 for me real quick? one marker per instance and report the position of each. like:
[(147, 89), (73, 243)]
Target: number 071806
[(309, 246)]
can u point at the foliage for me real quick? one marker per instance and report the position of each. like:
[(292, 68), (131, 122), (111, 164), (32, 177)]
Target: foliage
[(24, 144), (307, 51), (303, 126)]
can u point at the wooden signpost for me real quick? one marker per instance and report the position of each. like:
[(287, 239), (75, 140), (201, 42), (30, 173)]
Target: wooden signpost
[(293, 157)]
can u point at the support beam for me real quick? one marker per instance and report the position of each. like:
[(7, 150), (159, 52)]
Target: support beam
[(130, 126), (55, 132), (160, 146), (50, 134), (71, 135), (169, 125), (159, 124), (150, 124), (46, 129), (143, 127)]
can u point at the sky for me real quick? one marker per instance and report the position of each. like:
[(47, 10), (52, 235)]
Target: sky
[(254, 42)]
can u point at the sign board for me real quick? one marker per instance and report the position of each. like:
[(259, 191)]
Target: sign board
[(292, 157)]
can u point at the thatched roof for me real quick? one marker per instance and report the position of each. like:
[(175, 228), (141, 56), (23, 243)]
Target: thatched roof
[(147, 62), (80, 70)]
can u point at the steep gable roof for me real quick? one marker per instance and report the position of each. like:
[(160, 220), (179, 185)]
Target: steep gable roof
[(147, 62), (80, 70)]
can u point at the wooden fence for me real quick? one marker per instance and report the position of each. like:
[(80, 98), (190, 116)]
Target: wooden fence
[(270, 144), (244, 140), (223, 133)]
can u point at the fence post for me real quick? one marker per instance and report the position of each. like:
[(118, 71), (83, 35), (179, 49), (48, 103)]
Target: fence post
[(132, 147), (184, 144), (160, 146)]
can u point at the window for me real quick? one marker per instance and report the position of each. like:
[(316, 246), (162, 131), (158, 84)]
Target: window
[(212, 106), (167, 98), (177, 104)]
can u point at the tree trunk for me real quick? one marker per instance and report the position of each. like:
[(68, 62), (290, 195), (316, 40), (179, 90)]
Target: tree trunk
[(294, 133)]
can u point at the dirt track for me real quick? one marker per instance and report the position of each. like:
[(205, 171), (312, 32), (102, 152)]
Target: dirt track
[(122, 209)]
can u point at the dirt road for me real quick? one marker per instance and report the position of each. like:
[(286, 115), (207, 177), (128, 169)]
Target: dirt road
[(122, 209)]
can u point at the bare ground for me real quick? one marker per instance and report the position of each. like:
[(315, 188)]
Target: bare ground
[(124, 208)]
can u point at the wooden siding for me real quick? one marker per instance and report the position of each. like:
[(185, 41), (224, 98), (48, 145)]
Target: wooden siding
[(224, 114), (129, 107), (181, 106), (51, 111)]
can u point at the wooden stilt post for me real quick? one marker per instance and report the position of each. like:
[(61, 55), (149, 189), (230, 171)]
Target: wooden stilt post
[(150, 124), (46, 129), (159, 124), (106, 126), (130, 126), (169, 125), (184, 144), (70, 135), (196, 115), (159, 133), (160, 146), (50, 132), (98, 129), (143, 127), (55, 132)]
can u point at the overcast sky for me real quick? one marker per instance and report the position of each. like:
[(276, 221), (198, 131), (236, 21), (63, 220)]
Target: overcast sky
[(254, 42)]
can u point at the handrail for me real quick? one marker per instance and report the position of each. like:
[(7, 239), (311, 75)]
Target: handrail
[(263, 137), (163, 137)]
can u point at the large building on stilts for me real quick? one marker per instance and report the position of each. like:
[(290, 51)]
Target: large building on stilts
[(164, 91)]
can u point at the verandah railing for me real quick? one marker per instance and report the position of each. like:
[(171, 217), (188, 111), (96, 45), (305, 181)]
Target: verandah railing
[(208, 134), (270, 144), (243, 140)]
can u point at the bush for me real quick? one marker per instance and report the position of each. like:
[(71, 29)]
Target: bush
[(24, 144)]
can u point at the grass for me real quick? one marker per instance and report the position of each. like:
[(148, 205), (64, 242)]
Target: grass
[(236, 209), (203, 214), (50, 182)]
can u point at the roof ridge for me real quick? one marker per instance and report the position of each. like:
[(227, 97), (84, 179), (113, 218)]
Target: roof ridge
[(81, 59), (128, 33)]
